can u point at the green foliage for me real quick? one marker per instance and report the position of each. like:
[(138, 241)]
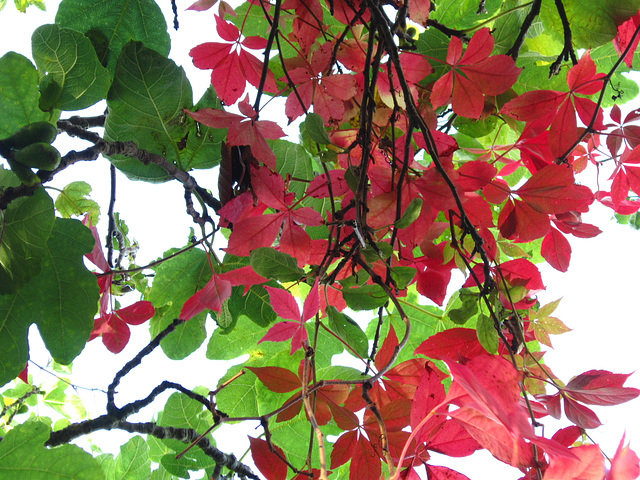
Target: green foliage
[(67, 58), (22, 452), (146, 102), (18, 94)]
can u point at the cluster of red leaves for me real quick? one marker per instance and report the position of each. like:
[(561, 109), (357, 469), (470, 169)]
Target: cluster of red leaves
[(113, 325), (484, 407)]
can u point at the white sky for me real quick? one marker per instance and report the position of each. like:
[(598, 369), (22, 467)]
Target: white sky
[(601, 290)]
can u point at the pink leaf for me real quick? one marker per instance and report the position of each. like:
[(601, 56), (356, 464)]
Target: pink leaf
[(137, 313), (211, 297), (283, 303)]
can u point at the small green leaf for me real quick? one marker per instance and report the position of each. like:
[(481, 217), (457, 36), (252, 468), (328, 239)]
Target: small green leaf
[(411, 214), (403, 276), (70, 61), (487, 335), (276, 265), (349, 331), (314, 126), (366, 297), (74, 200)]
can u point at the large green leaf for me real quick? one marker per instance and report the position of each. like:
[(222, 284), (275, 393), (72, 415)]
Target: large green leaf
[(175, 282), (68, 58), (463, 14), (117, 22), (132, 463), (18, 94), (146, 103), (23, 455), (28, 223), (61, 300), (592, 23)]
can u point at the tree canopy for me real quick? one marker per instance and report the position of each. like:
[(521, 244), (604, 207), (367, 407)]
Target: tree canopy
[(437, 141)]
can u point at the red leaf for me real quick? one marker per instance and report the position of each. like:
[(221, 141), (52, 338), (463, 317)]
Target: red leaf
[(451, 344), (96, 256), (521, 272), (254, 232), (556, 250), (493, 387), (599, 387), (343, 449), (281, 332), (202, 5), (269, 464), (567, 436), (539, 105), (115, 334), (435, 472), (277, 379), (451, 438), (311, 303), (137, 313), (243, 276), (495, 437), (625, 464), (580, 415), (433, 283), (624, 36), (365, 463), (552, 190), (211, 297), (475, 175), (383, 357), (588, 465), (24, 374), (283, 303)]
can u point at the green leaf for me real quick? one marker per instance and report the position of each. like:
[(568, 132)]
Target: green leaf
[(63, 297), (132, 463), (119, 22), (146, 103), (293, 160), (487, 335), (74, 200), (28, 223), (403, 276), (204, 144), (178, 467), (175, 282), (70, 60), (18, 94), (349, 331), (366, 297), (23, 455), (276, 265), (61, 300), (463, 14), (592, 23), (314, 126), (181, 411)]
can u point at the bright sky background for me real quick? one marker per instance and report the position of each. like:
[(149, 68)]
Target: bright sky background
[(601, 290)]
